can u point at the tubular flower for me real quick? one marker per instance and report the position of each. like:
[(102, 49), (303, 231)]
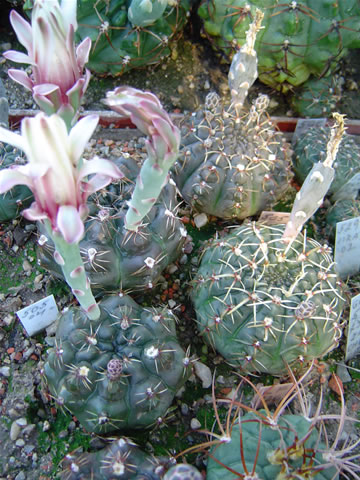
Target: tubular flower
[(59, 80), (55, 172)]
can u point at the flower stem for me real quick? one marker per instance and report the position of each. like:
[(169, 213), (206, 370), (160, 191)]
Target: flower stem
[(67, 255)]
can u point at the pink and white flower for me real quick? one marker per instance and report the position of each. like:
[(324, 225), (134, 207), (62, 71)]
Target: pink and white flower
[(55, 172), (58, 80)]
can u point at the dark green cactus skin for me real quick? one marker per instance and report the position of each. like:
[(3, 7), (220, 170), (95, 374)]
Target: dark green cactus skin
[(298, 38), (260, 306), (318, 97), (120, 459), (310, 148), (231, 166), (258, 440), (341, 210), (117, 45), (19, 197), (119, 259), (183, 471), (120, 371)]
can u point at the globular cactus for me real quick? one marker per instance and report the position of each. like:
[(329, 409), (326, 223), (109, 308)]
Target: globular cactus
[(122, 458), (232, 166), (119, 371), (116, 258), (341, 210), (129, 34), (310, 148), (20, 196), (318, 97), (298, 38), (263, 304)]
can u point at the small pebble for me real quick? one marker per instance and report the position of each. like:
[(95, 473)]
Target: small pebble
[(46, 426), (15, 430), (5, 371), (195, 424), (20, 476), (200, 220), (171, 303), (204, 373), (22, 422), (20, 442)]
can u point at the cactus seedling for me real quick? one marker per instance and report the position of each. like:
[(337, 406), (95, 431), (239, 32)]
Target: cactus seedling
[(119, 371)]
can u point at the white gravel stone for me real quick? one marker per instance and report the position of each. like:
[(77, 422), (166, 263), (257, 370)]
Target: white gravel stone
[(5, 371), (195, 424), (20, 442), (22, 422), (204, 373), (15, 430), (200, 220)]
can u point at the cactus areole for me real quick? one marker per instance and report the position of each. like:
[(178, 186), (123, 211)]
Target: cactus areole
[(120, 371), (263, 304)]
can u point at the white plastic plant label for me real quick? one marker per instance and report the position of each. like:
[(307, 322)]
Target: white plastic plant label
[(347, 247), (274, 218), (39, 315), (349, 190), (353, 337), (304, 124)]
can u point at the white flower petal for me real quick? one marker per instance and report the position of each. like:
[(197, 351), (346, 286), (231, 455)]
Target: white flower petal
[(22, 29), (14, 139), (80, 134), (70, 224)]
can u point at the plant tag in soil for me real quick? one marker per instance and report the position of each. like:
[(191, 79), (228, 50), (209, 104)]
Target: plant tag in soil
[(349, 190), (353, 337), (39, 315), (274, 218), (347, 247), (303, 125)]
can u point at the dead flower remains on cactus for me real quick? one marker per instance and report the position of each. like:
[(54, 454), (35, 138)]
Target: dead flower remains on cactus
[(278, 445)]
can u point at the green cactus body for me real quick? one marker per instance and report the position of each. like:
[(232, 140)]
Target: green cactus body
[(318, 97), (118, 44), (20, 196), (120, 371), (262, 304), (120, 459), (341, 210), (310, 148), (298, 39), (114, 257), (270, 452), (232, 166)]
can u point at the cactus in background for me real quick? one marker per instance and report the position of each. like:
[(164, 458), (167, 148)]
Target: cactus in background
[(316, 185), (233, 163), (119, 371), (20, 196), (115, 258), (310, 148), (299, 38), (318, 97), (341, 210), (129, 34), (262, 304)]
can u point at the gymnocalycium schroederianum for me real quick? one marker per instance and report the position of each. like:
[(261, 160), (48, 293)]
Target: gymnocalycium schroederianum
[(146, 112), (233, 163), (58, 80), (114, 257), (266, 297), (119, 371), (59, 180)]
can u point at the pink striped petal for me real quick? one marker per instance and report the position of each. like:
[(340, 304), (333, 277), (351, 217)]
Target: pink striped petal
[(22, 29), (82, 52), (102, 167), (80, 135), (70, 224), (18, 57), (21, 77), (11, 177), (34, 213), (45, 88)]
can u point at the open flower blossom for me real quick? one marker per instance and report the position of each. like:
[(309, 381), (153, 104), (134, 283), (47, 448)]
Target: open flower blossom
[(58, 79), (55, 172)]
